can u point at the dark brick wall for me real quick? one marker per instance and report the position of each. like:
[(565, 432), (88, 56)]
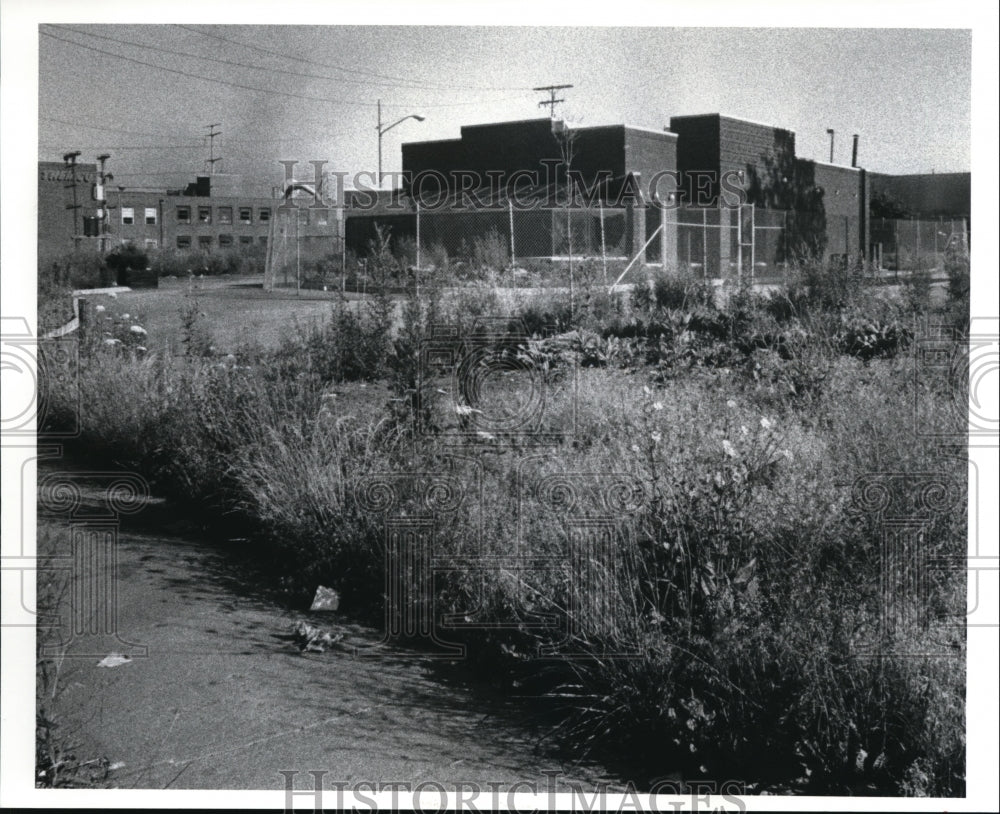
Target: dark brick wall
[(511, 147), (698, 150), (842, 205), (719, 144), (55, 220), (748, 147), (650, 154), (935, 194)]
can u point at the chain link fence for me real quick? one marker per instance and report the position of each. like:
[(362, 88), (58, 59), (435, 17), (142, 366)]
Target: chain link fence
[(305, 248), (915, 245), (744, 242)]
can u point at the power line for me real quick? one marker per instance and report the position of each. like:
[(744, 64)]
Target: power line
[(229, 142), (287, 94), (95, 127), (429, 84), (411, 84), (134, 146), (206, 78)]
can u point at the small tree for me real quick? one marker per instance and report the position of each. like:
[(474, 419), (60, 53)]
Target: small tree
[(566, 137)]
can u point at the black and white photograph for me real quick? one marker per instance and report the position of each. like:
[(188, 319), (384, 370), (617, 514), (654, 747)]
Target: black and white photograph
[(522, 408)]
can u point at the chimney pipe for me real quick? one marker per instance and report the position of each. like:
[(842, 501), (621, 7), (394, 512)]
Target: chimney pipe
[(829, 132), (854, 152)]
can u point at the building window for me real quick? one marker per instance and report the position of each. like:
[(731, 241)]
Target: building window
[(246, 214), (264, 214), (183, 241), (183, 214), (263, 241), (128, 215), (150, 243), (225, 214), (246, 240), (204, 241), (225, 240), (151, 216), (321, 217), (204, 214)]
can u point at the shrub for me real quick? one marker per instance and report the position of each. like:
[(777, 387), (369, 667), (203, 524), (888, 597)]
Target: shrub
[(491, 252)]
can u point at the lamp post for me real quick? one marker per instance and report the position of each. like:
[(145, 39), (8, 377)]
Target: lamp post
[(382, 130)]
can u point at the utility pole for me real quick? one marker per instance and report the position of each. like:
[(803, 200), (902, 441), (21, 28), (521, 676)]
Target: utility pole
[(212, 133), (552, 101), (102, 203), (70, 161)]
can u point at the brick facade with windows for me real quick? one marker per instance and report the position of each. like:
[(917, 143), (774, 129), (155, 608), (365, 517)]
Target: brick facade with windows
[(148, 218)]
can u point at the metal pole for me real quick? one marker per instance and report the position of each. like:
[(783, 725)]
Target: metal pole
[(753, 241), (417, 204), (379, 128), (298, 255), (604, 248), (739, 241), (569, 238), (895, 239), (704, 242), (663, 238), (513, 255), (784, 239)]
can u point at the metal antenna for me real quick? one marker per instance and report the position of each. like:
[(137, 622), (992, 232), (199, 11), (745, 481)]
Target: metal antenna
[(552, 101), (212, 133)]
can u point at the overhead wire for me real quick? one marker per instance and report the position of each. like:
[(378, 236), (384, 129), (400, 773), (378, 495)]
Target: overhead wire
[(214, 80), (430, 84)]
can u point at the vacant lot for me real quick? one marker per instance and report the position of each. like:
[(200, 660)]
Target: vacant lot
[(737, 451)]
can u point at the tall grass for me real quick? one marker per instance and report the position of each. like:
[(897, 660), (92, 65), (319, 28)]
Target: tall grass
[(743, 583)]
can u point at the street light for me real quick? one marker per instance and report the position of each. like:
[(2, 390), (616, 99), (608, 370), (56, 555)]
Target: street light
[(383, 130)]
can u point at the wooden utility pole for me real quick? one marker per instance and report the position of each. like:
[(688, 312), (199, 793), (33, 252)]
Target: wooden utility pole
[(70, 160)]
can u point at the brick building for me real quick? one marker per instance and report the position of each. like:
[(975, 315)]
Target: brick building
[(828, 203), (195, 217), (707, 181), (704, 165), (490, 165), (59, 218)]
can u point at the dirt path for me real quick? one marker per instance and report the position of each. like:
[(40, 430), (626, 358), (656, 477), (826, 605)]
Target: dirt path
[(224, 699)]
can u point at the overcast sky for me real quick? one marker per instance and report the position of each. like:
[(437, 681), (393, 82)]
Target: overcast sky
[(310, 92)]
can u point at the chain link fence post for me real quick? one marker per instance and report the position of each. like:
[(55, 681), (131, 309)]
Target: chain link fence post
[(604, 248), (417, 204), (513, 250)]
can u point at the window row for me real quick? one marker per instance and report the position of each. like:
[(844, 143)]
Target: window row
[(207, 241), (128, 215), (224, 214)]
